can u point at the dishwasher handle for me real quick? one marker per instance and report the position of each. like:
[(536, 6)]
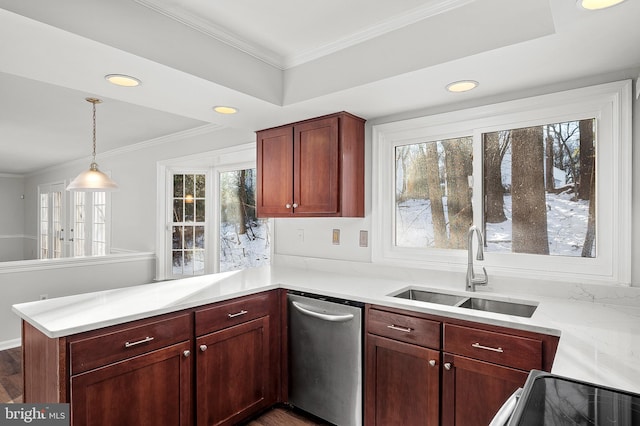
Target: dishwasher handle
[(326, 317), (505, 412)]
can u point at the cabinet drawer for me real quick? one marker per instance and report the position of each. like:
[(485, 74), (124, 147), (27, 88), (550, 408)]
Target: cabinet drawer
[(504, 349), (234, 312), (404, 328), (102, 349)]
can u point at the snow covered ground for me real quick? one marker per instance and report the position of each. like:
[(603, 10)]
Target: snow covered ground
[(566, 224), (246, 250)]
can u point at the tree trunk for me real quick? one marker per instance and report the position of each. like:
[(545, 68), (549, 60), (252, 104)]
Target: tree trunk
[(529, 207), (587, 163), (494, 191), (242, 202), (550, 182), (458, 163), (435, 196)]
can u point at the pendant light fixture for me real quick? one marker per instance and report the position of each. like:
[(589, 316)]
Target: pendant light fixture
[(93, 179)]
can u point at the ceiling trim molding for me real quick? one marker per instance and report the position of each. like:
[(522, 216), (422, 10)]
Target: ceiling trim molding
[(11, 175), (174, 137), (394, 23), (217, 32), (285, 62)]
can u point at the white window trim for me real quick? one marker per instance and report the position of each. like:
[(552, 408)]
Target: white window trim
[(609, 103), (241, 156)]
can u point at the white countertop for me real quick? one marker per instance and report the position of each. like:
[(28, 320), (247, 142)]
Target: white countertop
[(599, 343)]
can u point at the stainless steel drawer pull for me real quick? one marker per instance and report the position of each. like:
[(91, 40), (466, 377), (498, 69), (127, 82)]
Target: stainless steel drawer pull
[(237, 314), (487, 348), (399, 328), (139, 342)]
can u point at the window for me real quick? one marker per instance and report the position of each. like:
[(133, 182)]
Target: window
[(87, 230), (90, 223), (548, 179), (244, 239), (189, 222), (51, 220), (209, 202)]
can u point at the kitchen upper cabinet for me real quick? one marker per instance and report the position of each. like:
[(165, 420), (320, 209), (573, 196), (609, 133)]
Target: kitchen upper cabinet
[(312, 168), (237, 361)]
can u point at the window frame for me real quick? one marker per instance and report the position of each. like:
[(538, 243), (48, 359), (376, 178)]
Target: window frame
[(214, 162), (609, 103)]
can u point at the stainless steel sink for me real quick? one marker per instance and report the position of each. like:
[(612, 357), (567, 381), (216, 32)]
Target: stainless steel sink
[(431, 297), (499, 307), (475, 303)]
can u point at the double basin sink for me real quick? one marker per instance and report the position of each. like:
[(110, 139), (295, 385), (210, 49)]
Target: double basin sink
[(475, 303)]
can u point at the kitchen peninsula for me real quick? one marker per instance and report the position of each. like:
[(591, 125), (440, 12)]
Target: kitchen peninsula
[(597, 343)]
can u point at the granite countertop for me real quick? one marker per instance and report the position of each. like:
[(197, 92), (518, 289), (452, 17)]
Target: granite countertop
[(599, 343)]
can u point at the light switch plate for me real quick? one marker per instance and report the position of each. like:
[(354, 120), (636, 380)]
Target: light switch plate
[(364, 238)]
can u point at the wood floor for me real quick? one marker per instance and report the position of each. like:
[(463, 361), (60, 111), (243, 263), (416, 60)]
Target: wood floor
[(11, 391)]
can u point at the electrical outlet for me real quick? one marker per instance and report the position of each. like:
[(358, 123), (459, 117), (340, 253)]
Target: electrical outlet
[(44, 296), (364, 238), (336, 237)]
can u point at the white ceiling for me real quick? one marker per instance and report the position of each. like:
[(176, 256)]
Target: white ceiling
[(277, 61)]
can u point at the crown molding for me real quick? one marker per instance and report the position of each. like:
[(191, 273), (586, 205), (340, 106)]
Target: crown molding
[(174, 137), (285, 62)]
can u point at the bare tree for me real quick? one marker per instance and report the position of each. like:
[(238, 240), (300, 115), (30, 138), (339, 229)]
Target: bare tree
[(435, 195), (529, 205), (458, 163), (587, 163), (495, 147)]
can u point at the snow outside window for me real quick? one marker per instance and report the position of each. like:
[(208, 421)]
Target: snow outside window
[(524, 172)]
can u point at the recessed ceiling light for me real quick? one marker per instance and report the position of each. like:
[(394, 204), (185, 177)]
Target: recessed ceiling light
[(462, 86), (597, 4), (122, 80), (221, 109)]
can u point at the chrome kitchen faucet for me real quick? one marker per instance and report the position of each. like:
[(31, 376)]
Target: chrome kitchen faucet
[(472, 280)]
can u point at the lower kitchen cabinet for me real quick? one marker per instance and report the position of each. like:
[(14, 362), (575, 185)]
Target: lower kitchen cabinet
[(232, 380), (423, 369), (237, 359), (214, 365), (403, 383), (150, 389), (473, 391)]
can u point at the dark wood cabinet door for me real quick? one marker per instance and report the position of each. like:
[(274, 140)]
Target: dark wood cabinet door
[(402, 383), (274, 192), (473, 391), (153, 389), (316, 167), (234, 376)]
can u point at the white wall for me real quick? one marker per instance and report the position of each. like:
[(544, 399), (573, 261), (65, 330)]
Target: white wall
[(13, 241)]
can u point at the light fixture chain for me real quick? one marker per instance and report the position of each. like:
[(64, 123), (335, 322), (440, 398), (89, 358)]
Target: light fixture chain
[(94, 131)]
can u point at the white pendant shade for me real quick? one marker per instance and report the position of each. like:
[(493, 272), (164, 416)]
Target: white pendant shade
[(92, 180)]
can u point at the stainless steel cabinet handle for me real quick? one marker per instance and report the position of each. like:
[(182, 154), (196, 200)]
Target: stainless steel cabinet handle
[(203, 348), (447, 366), (327, 317), (139, 342), (186, 354), (288, 206), (237, 314), (295, 205), (487, 348), (432, 362), (399, 328)]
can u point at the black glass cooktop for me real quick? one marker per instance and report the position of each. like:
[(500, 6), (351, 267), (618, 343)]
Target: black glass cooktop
[(549, 400)]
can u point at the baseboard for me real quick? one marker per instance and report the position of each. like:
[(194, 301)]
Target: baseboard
[(8, 344)]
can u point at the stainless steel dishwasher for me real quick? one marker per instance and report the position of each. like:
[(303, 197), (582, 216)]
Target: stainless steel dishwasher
[(325, 357)]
